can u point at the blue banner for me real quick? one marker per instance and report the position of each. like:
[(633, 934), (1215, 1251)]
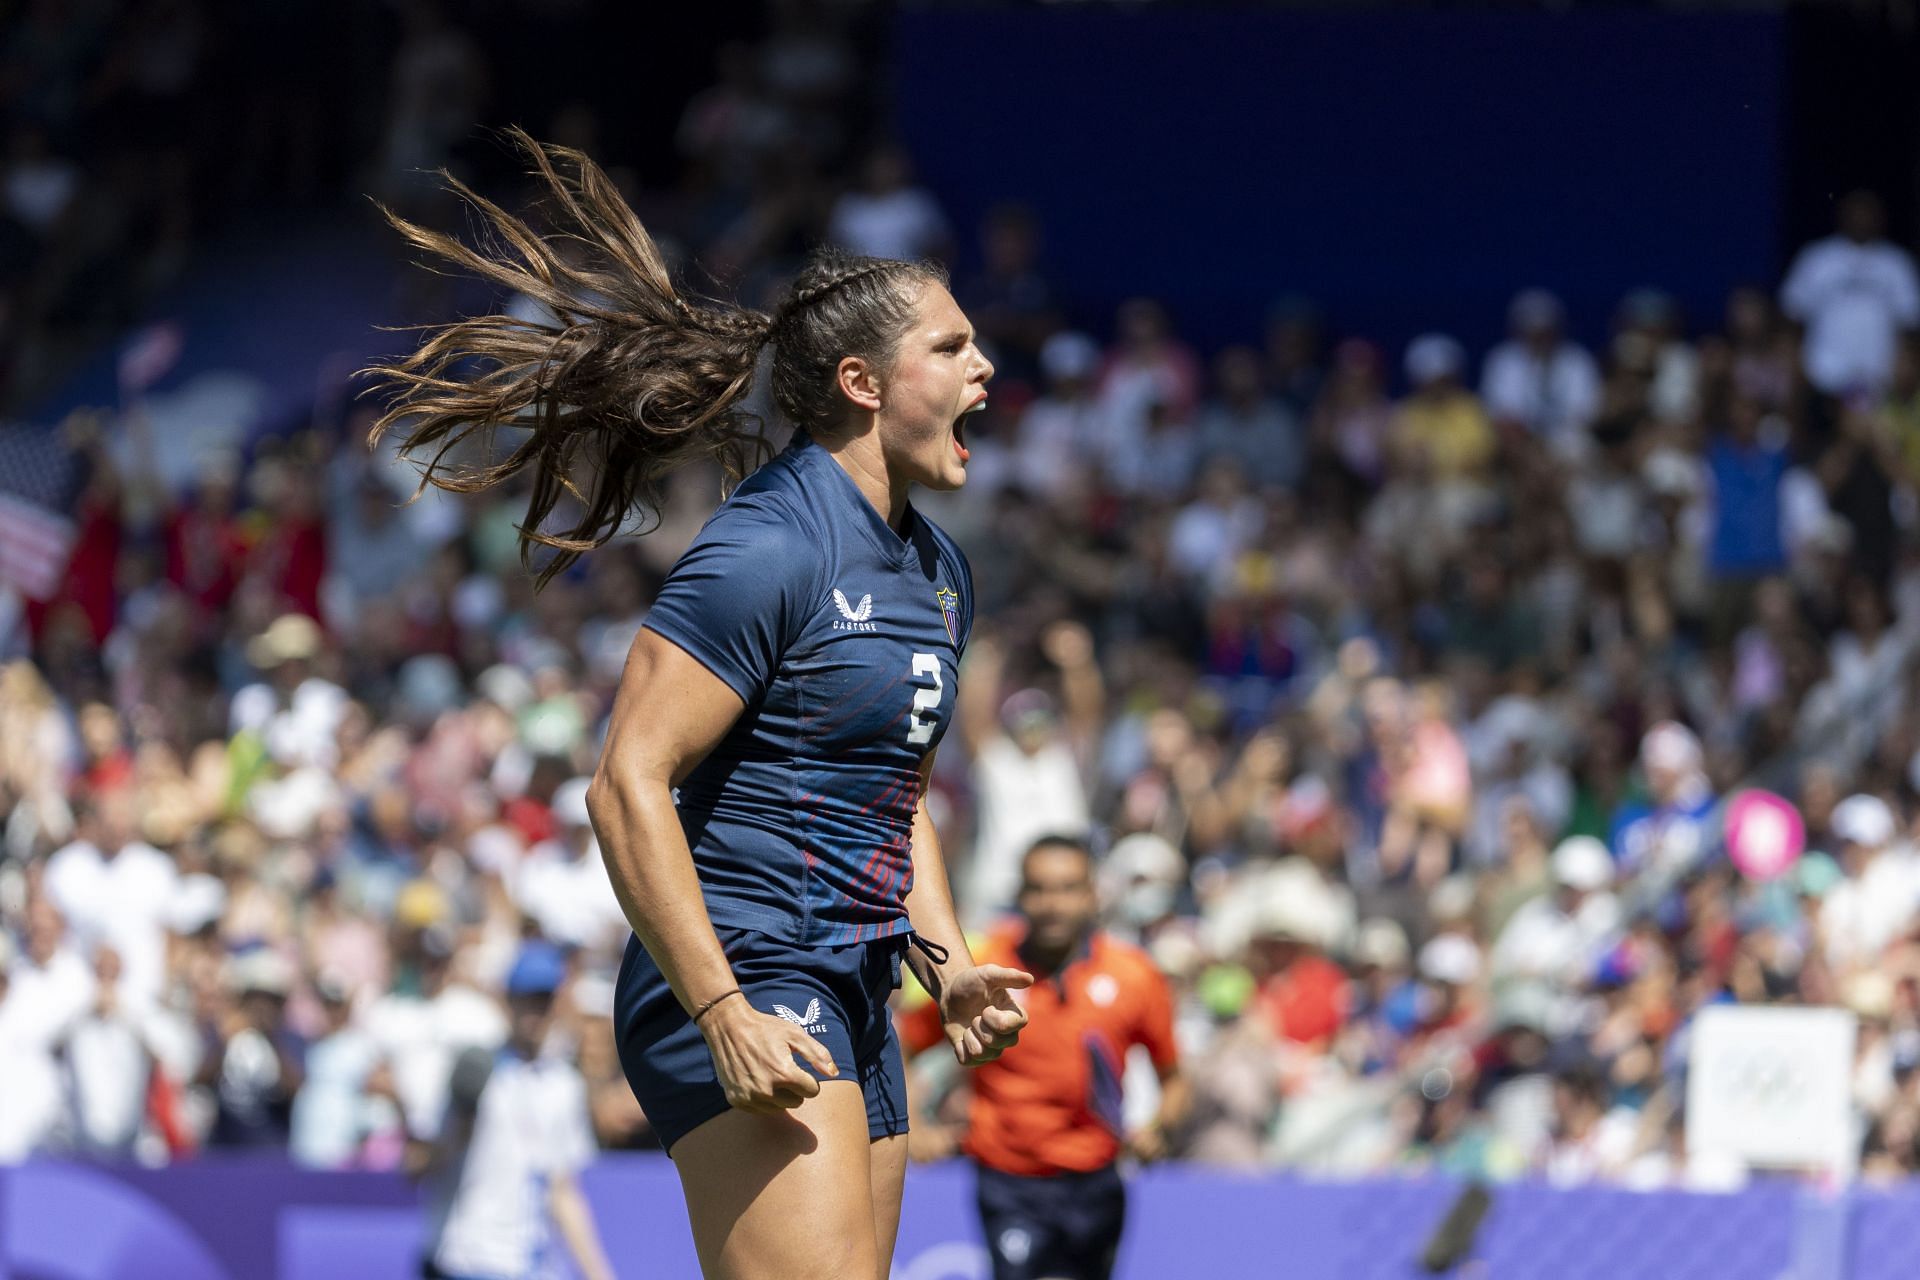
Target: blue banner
[(1412, 170)]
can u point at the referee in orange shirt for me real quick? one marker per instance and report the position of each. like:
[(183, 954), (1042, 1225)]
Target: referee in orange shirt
[(1044, 1129)]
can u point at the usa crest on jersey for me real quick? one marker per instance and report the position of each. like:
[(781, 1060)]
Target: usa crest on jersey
[(950, 610)]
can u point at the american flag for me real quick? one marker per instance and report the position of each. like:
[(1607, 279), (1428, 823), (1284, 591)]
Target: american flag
[(39, 476)]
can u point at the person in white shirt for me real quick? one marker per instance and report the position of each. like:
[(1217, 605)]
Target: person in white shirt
[(1540, 379), (422, 1029), (52, 982), (503, 1175), (889, 217), (1028, 762), (28, 1082), (110, 1061), (37, 1003), (1553, 942), (1855, 292), (115, 889), (346, 1096), (562, 882), (1058, 428), (1881, 893)]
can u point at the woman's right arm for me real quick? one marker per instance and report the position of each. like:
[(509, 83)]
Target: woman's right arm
[(668, 713)]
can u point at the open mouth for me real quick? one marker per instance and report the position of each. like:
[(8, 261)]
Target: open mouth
[(960, 426)]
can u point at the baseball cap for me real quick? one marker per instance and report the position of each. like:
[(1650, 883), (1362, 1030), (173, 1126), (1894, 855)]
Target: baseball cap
[(1583, 863), (538, 970), (1863, 820), (1450, 958)]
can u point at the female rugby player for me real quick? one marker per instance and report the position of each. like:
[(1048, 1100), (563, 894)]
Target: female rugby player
[(759, 799)]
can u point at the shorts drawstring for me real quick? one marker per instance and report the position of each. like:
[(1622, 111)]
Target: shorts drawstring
[(931, 950)]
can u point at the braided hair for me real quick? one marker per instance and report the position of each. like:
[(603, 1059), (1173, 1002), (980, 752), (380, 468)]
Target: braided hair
[(633, 378)]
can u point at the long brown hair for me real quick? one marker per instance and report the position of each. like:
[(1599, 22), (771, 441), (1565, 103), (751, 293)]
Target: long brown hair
[(636, 377)]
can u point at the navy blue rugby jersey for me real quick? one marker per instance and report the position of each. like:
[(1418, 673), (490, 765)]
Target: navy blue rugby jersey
[(843, 638)]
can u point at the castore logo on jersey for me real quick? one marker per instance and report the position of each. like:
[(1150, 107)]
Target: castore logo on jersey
[(853, 617)]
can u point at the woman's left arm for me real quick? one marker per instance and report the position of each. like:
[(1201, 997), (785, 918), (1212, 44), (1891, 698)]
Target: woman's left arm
[(978, 1015)]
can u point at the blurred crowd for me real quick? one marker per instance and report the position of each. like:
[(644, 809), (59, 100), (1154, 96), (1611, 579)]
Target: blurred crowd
[(1403, 694)]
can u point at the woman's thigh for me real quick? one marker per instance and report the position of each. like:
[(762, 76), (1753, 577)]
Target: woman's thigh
[(784, 1197)]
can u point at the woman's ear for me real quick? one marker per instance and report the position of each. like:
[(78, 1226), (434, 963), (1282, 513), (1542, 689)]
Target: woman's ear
[(858, 382)]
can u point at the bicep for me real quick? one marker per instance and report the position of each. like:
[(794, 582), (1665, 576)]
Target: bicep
[(669, 712)]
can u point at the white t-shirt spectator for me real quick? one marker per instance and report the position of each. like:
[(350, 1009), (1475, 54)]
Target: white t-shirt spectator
[(1854, 300), (532, 1126), (108, 1068), (333, 1113), (45, 1001), (422, 1037), (1206, 537), (1555, 396), (1862, 915), (1020, 798), (30, 1083), (571, 898), (904, 223), (121, 901)]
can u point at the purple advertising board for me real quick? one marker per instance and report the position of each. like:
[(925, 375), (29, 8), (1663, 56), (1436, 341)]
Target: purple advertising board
[(262, 1219)]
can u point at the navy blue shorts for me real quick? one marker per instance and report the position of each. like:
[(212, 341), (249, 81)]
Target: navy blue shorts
[(838, 995), (1065, 1227)]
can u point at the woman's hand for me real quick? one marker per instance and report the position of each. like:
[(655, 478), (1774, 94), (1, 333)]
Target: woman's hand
[(978, 1012), (753, 1056)]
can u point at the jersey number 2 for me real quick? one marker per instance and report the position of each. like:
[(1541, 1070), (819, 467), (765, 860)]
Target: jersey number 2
[(920, 723)]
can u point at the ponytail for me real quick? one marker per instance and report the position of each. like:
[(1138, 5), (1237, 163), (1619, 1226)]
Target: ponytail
[(633, 381)]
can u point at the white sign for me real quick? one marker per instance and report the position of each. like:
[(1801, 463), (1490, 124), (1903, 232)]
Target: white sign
[(1770, 1085)]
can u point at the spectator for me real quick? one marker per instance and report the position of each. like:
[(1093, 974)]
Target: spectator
[(1648, 322), (890, 217), (1747, 464), (110, 1059), (254, 1068), (115, 889), (1243, 424), (1666, 832), (1855, 293), (1877, 900), (1440, 429), (1010, 301), (1352, 418), (563, 884), (27, 1073), (425, 1022), (1539, 379), (504, 1169), (1147, 367), (346, 1100), (1028, 770), (1555, 941), (1057, 428)]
